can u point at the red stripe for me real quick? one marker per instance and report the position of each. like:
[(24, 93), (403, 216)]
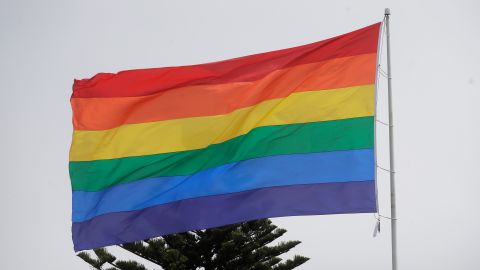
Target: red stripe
[(143, 82)]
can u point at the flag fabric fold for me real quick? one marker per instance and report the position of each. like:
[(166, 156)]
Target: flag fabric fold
[(283, 133)]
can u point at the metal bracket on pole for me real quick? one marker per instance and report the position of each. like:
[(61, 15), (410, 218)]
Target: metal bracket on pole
[(393, 206)]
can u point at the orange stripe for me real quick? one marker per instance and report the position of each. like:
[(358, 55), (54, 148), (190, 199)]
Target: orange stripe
[(207, 100)]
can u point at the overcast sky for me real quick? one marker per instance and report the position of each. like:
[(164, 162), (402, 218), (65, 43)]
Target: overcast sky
[(44, 45)]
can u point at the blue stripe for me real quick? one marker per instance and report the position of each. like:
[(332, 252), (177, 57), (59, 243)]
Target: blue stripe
[(213, 211), (282, 170)]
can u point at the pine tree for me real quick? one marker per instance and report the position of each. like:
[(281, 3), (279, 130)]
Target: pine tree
[(241, 246)]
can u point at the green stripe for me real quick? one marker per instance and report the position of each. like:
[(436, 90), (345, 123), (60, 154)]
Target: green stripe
[(346, 134)]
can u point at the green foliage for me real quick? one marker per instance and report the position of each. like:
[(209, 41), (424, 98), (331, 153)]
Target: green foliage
[(242, 246), (105, 260)]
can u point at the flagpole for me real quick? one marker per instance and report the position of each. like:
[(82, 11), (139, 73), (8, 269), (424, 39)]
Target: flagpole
[(393, 206)]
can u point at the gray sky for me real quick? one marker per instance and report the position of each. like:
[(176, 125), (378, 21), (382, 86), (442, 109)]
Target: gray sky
[(44, 45)]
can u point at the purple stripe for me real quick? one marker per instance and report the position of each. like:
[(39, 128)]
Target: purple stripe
[(218, 210)]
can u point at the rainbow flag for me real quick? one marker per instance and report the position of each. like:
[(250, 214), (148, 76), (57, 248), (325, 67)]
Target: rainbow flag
[(283, 133)]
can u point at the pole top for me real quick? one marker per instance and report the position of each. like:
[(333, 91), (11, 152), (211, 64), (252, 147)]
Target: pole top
[(387, 12)]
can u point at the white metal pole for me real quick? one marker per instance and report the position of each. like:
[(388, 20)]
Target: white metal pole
[(393, 206)]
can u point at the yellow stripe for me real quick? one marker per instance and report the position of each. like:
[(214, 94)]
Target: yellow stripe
[(199, 132)]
